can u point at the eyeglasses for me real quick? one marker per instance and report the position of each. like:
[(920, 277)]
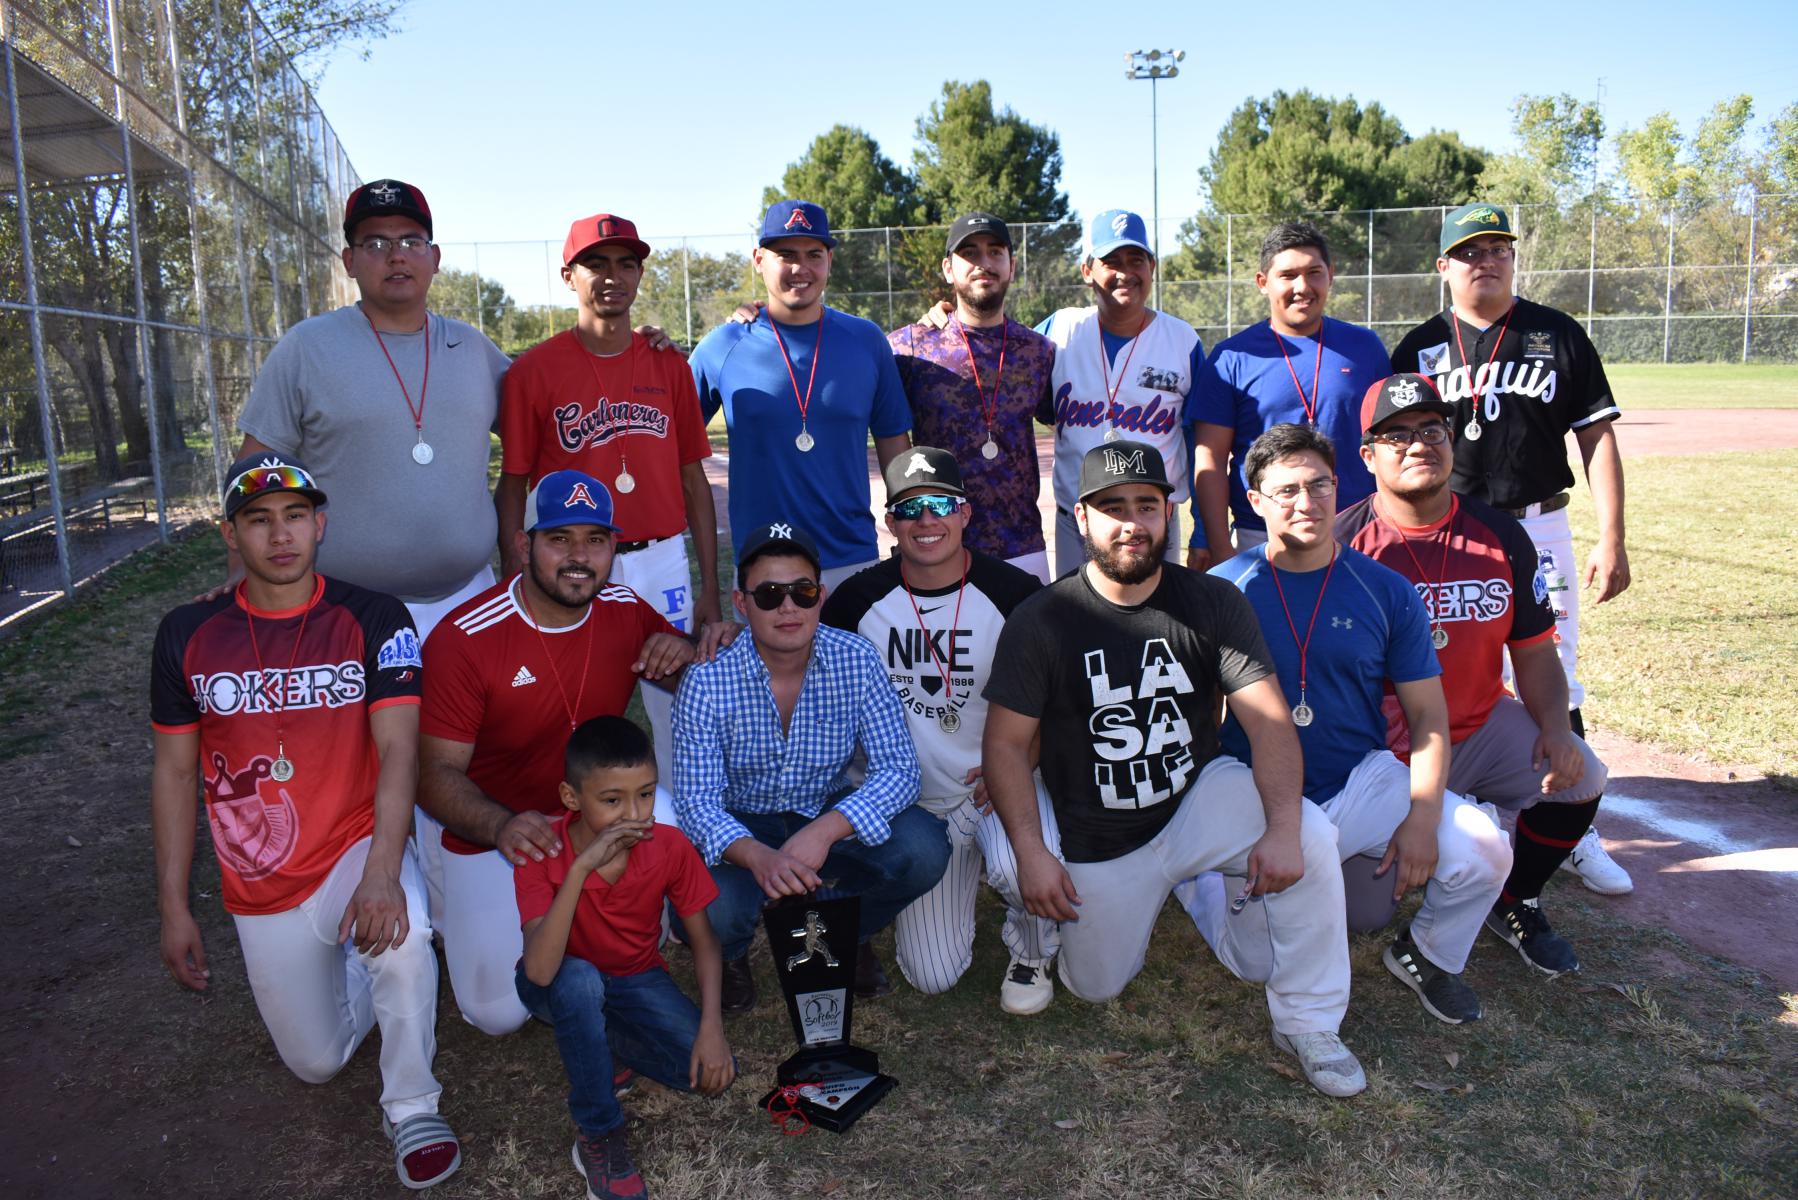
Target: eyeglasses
[(1288, 495), (1431, 433), (410, 244), (1473, 255), (914, 507), (258, 480), (767, 596)]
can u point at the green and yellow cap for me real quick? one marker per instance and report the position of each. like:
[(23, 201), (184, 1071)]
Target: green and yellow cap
[(1472, 220)]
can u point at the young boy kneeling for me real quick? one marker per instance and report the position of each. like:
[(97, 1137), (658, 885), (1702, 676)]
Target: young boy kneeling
[(592, 918)]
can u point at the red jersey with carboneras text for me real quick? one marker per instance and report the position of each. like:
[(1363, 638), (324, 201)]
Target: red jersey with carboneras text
[(505, 686), (618, 926), (564, 407), (276, 842), (1486, 591)]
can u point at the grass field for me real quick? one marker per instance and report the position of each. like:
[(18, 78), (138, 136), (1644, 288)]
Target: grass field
[(1704, 385), (1696, 656), (1657, 1072)]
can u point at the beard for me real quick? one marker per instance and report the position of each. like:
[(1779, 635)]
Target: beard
[(986, 305), (1111, 563), (1420, 493), (569, 593)]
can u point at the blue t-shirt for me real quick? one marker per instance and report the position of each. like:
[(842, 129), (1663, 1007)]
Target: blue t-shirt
[(1372, 627), (1246, 387), (824, 491)]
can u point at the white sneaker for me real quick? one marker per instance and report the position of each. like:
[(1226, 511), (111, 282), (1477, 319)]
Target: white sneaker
[(1596, 869), (1027, 988), (1330, 1066)]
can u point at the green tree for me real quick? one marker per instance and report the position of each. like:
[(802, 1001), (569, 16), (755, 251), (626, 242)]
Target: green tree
[(844, 170), (481, 301), (970, 157), (1437, 168), (1301, 152), (1556, 159), (1659, 165)]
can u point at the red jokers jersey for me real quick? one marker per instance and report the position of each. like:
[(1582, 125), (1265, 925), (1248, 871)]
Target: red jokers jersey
[(505, 687), (276, 841), (563, 407), (1486, 592), (618, 926)]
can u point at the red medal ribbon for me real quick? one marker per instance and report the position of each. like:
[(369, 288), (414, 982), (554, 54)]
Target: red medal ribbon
[(804, 402), (280, 713), (1111, 393), (787, 1099), (1304, 645), (424, 386), (1310, 405), (556, 672), (1473, 379), (600, 383), (986, 410), (935, 658), (1454, 515)]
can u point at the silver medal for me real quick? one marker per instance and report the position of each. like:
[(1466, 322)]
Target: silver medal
[(626, 482), (1439, 637), (422, 454), (282, 770), (990, 450), (1302, 715), (804, 441), (950, 721), (1474, 430), (1112, 435)]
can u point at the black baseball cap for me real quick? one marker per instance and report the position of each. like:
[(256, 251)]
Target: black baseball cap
[(1123, 461), (778, 537), (924, 467), (385, 197), (967, 226), (266, 473), (1401, 393)]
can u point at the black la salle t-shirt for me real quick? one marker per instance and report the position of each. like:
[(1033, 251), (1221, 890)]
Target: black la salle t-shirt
[(1127, 697)]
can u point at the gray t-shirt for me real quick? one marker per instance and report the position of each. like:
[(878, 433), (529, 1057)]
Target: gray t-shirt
[(327, 396)]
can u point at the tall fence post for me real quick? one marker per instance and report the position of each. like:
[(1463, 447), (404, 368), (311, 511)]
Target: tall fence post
[(34, 321), (146, 370), (1592, 268), (1667, 303), (889, 238), (1754, 201), (1229, 275), (686, 271), (1368, 319)]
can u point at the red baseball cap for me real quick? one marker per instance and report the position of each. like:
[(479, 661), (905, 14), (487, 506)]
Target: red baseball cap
[(601, 229)]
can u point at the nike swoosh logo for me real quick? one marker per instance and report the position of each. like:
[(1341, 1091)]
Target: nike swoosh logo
[(923, 612), (451, 345)]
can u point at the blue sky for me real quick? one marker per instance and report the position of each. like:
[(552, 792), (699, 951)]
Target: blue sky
[(517, 118)]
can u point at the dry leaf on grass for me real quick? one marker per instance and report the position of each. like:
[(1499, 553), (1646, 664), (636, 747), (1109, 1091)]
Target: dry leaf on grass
[(1114, 1056), (1068, 1123), (1456, 1089), (1280, 1068), (1454, 1060)]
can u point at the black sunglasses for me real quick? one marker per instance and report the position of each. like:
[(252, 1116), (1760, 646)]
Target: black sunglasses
[(767, 596)]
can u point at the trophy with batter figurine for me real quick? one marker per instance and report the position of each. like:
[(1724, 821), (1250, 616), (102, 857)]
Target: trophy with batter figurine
[(829, 1082)]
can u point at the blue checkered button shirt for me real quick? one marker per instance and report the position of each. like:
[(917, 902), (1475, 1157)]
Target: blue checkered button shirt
[(731, 756)]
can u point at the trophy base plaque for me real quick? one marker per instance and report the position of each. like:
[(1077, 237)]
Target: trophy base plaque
[(831, 1081), (835, 1086)]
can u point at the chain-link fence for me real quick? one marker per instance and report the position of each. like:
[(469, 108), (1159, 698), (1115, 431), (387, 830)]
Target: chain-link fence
[(169, 200), (1718, 283)]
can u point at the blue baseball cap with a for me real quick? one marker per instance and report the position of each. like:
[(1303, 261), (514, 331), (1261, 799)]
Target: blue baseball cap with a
[(795, 218), (1114, 229), (568, 498)]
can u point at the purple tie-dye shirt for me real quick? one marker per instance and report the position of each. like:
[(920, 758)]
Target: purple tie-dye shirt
[(947, 413)]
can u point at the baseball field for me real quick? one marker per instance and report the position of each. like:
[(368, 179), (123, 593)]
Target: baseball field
[(1667, 1067)]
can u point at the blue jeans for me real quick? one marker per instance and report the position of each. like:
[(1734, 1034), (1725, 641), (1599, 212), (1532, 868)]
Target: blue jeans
[(644, 1021), (887, 877)]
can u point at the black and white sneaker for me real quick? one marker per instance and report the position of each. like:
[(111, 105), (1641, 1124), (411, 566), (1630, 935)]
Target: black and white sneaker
[(1522, 925), (1444, 995)]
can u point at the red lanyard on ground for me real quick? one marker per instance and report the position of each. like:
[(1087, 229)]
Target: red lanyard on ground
[(1316, 372)]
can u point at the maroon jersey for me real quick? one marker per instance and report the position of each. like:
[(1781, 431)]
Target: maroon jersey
[(1476, 571), (503, 685), (277, 840)]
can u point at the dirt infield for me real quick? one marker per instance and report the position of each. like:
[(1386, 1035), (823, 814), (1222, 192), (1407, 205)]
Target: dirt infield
[(1702, 431)]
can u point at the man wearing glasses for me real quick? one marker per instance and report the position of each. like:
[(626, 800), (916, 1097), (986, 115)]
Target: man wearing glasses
[(764, 735), (1341, 627), (1481, 582), (1521, 375), (934, 612), (393, 408)]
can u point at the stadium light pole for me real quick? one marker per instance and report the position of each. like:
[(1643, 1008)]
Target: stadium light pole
[(1154, 66)]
